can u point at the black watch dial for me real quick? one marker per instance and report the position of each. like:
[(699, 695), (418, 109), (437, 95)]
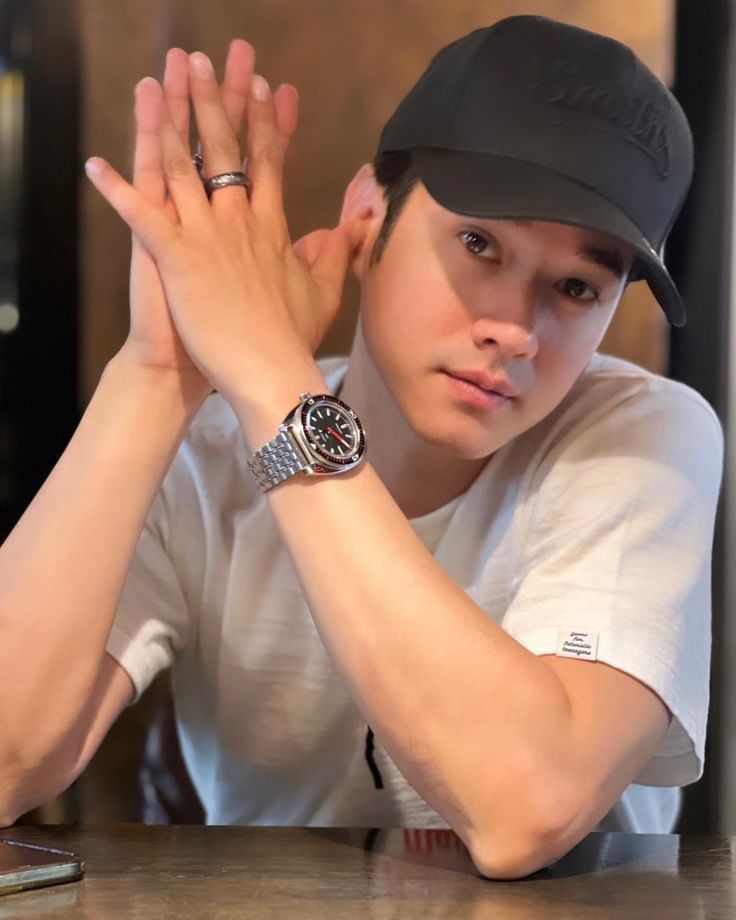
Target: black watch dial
[(333, 430)]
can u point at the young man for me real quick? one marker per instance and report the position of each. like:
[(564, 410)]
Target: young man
[(513, 589)]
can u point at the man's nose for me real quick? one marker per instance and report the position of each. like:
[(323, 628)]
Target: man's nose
[(508, 318)]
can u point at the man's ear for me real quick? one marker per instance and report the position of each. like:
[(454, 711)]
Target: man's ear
[(364, 205)]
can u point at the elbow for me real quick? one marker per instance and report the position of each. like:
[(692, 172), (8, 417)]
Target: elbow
[(14, 804), (9, 809), (20, 790), (514, 860), (539, 836), (8, 816)]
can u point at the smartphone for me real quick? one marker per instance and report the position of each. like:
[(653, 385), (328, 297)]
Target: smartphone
[(27, 865)]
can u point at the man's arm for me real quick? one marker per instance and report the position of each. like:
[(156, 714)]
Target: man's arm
[(521, 756), (61, 572), (618, 723)]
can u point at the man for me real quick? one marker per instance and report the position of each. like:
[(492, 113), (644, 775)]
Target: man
[(513, 591)]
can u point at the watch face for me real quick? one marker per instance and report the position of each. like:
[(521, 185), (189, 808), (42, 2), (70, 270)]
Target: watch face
[(333, 430)]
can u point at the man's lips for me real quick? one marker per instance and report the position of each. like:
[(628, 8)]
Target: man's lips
[(468, 392), (487, 382)]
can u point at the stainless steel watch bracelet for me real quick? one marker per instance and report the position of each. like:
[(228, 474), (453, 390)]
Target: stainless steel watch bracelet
[(276, 461)]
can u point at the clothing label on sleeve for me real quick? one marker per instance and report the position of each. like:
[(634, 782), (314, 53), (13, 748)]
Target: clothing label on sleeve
[(577, 643)]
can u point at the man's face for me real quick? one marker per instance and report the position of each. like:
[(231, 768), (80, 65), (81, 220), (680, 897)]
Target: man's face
[(525, 301)]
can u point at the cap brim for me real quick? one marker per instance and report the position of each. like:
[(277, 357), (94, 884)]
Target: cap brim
[(486, 185)]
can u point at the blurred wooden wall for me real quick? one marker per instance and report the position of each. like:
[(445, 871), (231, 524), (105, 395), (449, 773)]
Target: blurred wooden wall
[(352, 61)]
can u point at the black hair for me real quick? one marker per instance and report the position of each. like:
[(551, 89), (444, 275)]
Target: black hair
[(397, 177)]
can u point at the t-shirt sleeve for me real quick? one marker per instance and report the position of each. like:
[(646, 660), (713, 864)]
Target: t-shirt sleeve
[(152, 619), (618, 546)]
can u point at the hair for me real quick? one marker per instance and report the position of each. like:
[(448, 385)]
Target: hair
[(395, 173)]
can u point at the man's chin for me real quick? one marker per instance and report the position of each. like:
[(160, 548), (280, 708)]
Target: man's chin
[(458, 442)]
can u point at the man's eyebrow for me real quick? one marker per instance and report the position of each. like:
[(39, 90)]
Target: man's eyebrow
[(607, 258), (599, 255)]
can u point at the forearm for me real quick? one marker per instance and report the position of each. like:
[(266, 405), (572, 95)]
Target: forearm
[(63, 566), (468, 714)]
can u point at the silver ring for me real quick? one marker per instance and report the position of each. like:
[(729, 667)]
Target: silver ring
[(224, 179), (198, 159)]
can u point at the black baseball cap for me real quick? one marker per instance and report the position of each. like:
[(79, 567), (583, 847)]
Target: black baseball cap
[(535, 119)]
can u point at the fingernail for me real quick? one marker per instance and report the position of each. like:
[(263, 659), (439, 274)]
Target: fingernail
[(146, 81), (202, 65), (93, 167), (259, 87)]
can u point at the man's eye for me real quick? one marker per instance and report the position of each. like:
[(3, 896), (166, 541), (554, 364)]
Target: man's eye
[(575, 288), (474, 242)]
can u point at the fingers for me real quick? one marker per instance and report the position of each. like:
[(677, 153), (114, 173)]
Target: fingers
[(286, 101), (166, 161), (236, 82), (148, 176), (219, 143), (267, 147), (144, 219), (176, 90), (182, 179)]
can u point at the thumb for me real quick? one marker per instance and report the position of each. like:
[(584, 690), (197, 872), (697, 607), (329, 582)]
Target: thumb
[(331, 263), (307, 247), (330, 253)]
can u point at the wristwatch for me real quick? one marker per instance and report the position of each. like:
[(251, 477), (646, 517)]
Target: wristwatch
[(321, 436)]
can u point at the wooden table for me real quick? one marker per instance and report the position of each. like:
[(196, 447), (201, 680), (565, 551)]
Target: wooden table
[(157, 871)]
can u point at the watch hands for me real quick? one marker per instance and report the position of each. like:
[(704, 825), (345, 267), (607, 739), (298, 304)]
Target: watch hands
[(337, 435)]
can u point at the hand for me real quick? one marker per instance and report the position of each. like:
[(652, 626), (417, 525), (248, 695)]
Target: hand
[(153, 341), (238, 293)]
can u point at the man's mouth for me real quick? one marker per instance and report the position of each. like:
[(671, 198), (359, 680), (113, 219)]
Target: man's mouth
[(487, 382), (470, 392)]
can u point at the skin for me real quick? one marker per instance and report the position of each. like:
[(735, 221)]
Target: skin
[(510, 298)]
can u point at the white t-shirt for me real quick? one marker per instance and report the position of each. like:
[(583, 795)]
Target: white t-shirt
[(599, 520)]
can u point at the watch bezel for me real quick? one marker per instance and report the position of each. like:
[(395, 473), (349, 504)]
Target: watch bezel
[(338, 463)]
